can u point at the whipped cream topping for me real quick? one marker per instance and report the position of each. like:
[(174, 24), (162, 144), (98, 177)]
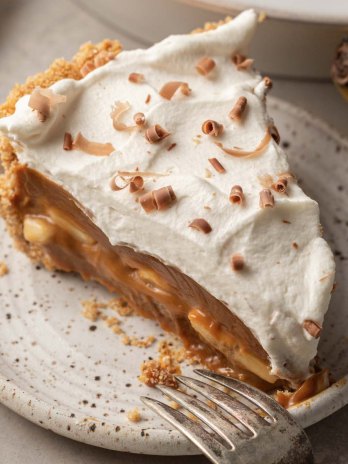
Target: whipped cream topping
[(288, 268)]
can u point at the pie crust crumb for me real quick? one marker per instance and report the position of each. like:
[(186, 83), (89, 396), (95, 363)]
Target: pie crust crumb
[(3, 269), (134, 415)]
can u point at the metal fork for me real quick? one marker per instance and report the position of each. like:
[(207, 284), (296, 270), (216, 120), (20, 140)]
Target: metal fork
[(245, 426)]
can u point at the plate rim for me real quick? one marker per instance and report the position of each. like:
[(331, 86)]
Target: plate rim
[(42, 413)]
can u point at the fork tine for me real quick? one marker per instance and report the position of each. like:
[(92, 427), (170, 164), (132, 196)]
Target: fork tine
[(243, 413), (259, 398), (213, 419), (205, 441)]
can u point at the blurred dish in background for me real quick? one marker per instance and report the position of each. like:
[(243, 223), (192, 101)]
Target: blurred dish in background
[(339, 69), (298, 38)]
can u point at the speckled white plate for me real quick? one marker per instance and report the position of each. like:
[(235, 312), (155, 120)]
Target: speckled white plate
[(80, 383)]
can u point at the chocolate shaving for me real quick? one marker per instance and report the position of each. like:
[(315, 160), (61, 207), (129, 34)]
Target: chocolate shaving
[(156, 133), (266, 199), (202, 225), (274, 134), (136, 184), (139, 119), (205, 65), (237, 262), (212, 128), (312, 328), (148, 99), (87, 68), (92, 148), (159, 199), (68, 141), (142, 173), (43, 100), (116, 114), (237, 195), (136, 78), (281, 185), (170, 88), (217, 165), (247, 154), (171, 146), (242, 62), (238, 109)]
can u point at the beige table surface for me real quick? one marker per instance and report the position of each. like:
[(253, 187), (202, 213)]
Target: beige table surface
[(32, 34)]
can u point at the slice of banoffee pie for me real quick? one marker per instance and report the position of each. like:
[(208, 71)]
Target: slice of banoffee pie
[(159, 174)]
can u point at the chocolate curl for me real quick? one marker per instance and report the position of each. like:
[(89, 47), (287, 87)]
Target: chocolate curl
[(139, 119), (263, 87), (217, 165), (312, 328), (92, 148), (236, 195), (242, 62), (116, 114), (205, 65), (54, 98), (136, 184), (136, 78), (156, 134), (68, 141), (41, 104), (43, 100), (238, 109), (170, 88), (247, 154), (201, 225), (237, 262), (274, 134), (147, 202), (160, 199), (266, 199), (212, 128), (115, 187), (164, 197), (281, 185), (87, 68)]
